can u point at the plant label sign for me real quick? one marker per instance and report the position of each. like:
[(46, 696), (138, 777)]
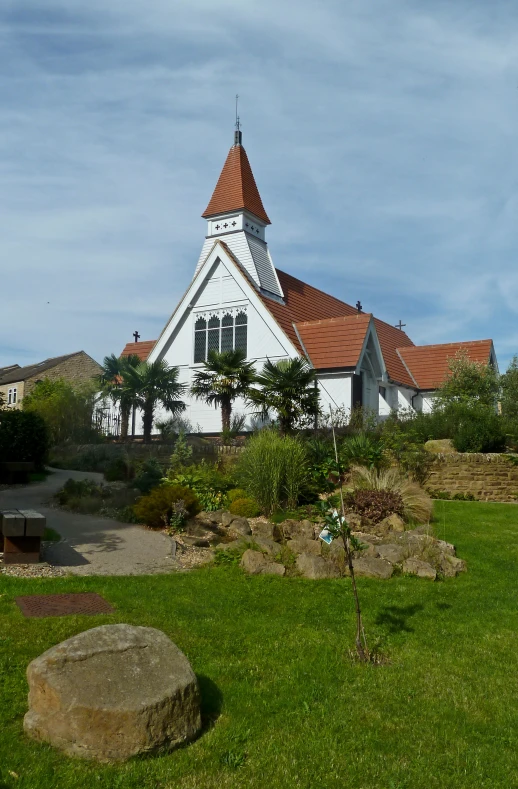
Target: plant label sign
[(326, 536)]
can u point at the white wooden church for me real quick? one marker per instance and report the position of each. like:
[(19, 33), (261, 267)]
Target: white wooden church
[(238, 299)]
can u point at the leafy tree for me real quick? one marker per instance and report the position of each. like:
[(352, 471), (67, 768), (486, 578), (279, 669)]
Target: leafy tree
[(509, 388), (225, 377), (468, 382), (287, 387), (66, 409), (150, 384), (111, 381)]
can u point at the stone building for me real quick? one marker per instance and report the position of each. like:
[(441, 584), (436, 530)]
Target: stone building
[(16, 382)]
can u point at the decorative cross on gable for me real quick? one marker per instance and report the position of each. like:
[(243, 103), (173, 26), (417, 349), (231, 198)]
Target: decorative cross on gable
[(136, 336), (400, 325), (359, 306)]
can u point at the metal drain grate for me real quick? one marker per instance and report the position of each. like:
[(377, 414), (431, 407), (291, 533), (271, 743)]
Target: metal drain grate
[(61, 604)]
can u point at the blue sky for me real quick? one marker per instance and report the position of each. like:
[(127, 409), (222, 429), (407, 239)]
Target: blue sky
[(382, 136)]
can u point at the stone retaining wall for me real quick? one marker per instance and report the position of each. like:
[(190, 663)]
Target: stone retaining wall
[(487, 477)]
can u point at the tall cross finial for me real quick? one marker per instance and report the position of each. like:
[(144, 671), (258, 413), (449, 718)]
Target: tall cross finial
[(359, 306), (238, 136), (136, 336), (400, 325)]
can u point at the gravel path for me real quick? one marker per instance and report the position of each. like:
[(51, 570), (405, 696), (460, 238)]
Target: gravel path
[(91, 545)]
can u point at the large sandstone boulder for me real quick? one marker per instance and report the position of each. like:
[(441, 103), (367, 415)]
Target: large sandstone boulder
[(393, 522), (294, 530), (450, 566), (112, 692), (392, 553), (315, 567), (267, 546), (256, 563), (302, 545), (421, 569), (239, 528), (271, 531), (441, 446), (371, 567)]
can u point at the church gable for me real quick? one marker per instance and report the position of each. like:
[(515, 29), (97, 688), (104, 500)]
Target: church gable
[(221, 311)]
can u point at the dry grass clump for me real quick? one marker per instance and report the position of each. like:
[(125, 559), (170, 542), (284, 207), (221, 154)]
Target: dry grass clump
[(417, 504)]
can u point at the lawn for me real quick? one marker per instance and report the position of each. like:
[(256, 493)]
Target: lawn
[(284, 706)]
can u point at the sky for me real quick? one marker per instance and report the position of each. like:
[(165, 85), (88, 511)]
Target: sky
[(382, 136)]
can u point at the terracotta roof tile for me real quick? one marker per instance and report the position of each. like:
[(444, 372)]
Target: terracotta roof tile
[(429, 363), (236, 188), (390, 339), (140, 349), (335, 342)]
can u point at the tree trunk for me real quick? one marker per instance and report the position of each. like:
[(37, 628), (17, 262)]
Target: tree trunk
[(125, 414), (147, 420), (226, 412)]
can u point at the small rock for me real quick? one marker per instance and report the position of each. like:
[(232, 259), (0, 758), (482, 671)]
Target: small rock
[(371, 567), (419, 568), (300, 545), (239, 528), (393, 523), (256, 563), (392, 553), (210, 517), (293, 530), (113, 692), (196, 542), (450, 566), (227, 518), (315, 567)]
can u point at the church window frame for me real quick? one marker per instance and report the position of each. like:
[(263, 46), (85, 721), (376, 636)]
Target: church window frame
[(224, 330)]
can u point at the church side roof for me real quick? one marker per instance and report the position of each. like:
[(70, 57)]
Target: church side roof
[(303, 303), (236, 189), (335, 342), (429, 363), (390, 340), (140, 349)]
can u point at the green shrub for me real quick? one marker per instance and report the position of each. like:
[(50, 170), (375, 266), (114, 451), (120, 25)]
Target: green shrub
[(417, 504), (75, 489), (119, 469), (236, 493), (273, 470), (23, 438), (362, 450), (478, 429), (156, 509), (375, 504), (148, 476), (245, 507)]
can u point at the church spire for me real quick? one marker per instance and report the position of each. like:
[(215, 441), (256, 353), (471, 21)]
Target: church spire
[(236, 189)]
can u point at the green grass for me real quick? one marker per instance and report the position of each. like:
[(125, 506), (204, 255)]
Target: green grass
[(283, 704)]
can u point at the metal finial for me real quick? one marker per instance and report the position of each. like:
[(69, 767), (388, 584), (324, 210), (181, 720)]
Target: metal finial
[(238, 136)]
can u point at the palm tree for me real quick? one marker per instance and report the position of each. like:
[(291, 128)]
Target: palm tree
[(111, 381), (287, 387), (225, 377), (149, 384)]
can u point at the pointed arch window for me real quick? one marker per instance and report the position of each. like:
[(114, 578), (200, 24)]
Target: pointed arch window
[(225, 333)]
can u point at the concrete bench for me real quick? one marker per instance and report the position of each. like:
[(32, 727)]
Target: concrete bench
[(22, 531), (16, 472)]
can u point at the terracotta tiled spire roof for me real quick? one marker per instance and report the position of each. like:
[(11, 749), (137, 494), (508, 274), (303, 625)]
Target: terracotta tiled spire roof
[(236, 188)]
